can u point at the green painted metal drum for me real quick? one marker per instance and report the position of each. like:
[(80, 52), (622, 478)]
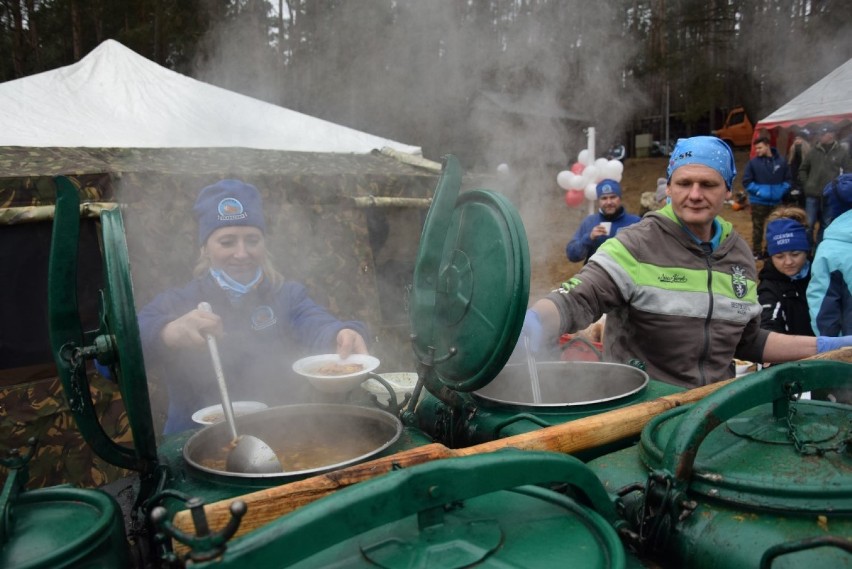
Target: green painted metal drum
[(752, 476), (478, 511), (61, 527)]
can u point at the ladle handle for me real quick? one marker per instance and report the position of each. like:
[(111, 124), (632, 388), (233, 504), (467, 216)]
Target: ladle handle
[(220, 375)]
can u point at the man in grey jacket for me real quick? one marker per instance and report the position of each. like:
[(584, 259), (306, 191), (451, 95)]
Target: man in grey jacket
[(679, 287), (826, 160)]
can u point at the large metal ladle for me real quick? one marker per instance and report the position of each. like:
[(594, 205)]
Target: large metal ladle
[(250, 454)]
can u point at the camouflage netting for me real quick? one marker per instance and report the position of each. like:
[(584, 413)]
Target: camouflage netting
[(355, 260)]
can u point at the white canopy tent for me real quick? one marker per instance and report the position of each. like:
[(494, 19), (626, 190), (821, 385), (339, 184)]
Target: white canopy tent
[(826, 101), (114, 97)]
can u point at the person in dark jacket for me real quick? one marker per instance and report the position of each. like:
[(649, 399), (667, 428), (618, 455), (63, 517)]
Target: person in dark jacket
[(263, 322), (782, 290), (767, 181), (795, 156), (826, 160), (598, 227)]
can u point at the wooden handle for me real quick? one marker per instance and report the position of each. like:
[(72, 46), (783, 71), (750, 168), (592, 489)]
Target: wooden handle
[(583, 434), (575, 436)]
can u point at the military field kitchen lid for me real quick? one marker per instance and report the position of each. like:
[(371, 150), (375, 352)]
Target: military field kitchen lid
[(471, 283)]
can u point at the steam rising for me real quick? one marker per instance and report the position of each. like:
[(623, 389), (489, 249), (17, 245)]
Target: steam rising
[(453, 78)]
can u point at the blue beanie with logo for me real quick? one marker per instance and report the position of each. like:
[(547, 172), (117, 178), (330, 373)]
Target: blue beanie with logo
[(227, 203), (786, 234), (707, 151), (608, 188)]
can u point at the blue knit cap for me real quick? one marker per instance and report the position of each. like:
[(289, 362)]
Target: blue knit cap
[(608, 188), (707, 151), (786, 234), (227, 203)]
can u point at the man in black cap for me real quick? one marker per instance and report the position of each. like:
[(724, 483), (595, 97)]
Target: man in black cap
[(826, 160)]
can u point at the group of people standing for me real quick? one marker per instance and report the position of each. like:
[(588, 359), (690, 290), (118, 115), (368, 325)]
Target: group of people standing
[(680, 286), (801, 179)]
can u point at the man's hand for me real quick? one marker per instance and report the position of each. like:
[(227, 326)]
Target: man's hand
[(191, 329), (532, 330), (829, 343), (350, 342), (598, 231)]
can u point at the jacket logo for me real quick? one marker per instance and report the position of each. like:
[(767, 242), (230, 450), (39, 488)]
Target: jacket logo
[(675, 278), (568, 285), (263, 317), (738, 281)]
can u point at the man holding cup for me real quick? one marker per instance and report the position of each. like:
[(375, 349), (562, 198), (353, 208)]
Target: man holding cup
[(598, 227)]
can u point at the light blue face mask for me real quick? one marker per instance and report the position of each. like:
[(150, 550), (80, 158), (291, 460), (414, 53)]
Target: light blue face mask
[(234, 289)]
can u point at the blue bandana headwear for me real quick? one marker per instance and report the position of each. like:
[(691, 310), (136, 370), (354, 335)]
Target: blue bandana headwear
[(784, 235), (227, 203), (608, 188), (707, 151)]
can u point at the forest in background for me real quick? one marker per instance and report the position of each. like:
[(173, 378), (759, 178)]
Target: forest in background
[(492, 81)]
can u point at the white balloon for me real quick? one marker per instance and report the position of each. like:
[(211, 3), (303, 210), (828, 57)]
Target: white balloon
[(503, 168), (578, 182), (563, 178), (616, 177), (591, 174), (617, 167), (591, 192), (583, 157), (601, 163)]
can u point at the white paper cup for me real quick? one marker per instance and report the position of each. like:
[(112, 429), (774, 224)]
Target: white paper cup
[(607, 225)]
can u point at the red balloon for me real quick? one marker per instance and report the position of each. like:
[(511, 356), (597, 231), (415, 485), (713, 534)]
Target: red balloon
[(577, 168), (573, 198)]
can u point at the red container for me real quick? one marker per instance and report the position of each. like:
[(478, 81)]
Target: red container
[(576, 348)]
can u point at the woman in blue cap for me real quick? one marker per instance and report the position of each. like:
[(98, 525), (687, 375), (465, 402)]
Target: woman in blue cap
[(264, 322), (784, 279), (679, 287)]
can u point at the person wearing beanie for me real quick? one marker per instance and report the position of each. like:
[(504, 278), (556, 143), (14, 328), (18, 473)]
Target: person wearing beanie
[(263, 322), (767, 181), (596, 228), (679, 288), (782, 291)]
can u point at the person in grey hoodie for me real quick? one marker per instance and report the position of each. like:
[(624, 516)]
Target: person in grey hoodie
[(826, 160)]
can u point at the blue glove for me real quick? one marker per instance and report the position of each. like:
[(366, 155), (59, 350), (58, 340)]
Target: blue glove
[(532, 330), (824, 343)]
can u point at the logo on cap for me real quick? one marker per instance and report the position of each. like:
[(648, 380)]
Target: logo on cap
[(607, 189), (230, 209)]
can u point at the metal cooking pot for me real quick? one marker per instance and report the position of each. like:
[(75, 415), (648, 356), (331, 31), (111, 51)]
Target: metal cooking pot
[(308, 439), (564, 384)]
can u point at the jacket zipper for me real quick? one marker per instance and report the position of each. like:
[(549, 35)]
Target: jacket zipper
[(703, 358)]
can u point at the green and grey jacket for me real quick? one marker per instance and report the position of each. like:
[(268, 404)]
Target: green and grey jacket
[(684, 313)]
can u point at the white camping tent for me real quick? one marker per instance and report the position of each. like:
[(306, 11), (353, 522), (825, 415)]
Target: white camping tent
[(114, 97), (827, 100)]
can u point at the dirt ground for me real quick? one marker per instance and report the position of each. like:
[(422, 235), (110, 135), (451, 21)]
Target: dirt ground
[(550, 223)]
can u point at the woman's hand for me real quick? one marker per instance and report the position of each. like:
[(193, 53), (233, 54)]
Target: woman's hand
[(191, 329), (350, 342)]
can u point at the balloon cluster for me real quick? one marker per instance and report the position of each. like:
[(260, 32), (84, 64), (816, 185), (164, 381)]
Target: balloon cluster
[(581, 180)]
